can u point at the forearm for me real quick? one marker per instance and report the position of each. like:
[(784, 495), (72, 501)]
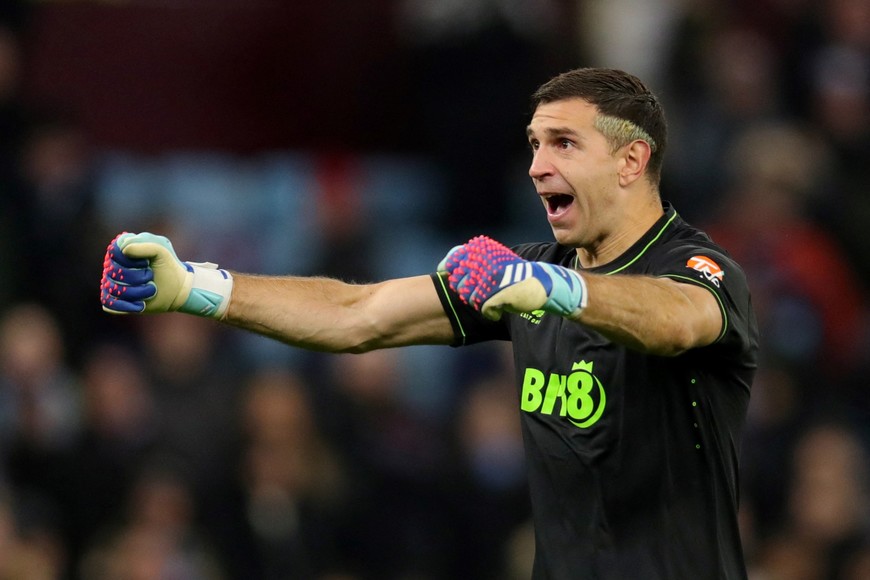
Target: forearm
[(654, 315), (312, 313), (330, 315)]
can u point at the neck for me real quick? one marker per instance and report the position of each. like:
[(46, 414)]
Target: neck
[(628, 229)]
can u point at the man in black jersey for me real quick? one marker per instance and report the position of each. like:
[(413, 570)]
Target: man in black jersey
[(634, 338)]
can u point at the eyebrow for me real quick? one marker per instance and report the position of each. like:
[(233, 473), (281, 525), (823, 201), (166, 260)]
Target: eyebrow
[(554, 132)]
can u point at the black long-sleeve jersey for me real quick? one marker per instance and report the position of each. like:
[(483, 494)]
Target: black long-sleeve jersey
[(632, 458)]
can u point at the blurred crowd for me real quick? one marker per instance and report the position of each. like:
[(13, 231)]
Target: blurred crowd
[(169, 447)]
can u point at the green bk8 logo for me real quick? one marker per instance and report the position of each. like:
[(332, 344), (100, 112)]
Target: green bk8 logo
[(580, 394)]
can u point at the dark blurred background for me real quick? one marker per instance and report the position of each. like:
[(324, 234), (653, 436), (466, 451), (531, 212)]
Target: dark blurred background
[(363, 139)]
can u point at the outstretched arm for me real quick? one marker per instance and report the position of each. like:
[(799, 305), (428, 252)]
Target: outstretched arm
[(330, 315), (654, 315), (142, 274)]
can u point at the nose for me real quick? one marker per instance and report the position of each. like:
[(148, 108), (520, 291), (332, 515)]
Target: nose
[(541, 166)]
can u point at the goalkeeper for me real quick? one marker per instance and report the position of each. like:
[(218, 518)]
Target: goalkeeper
[(634, 338)]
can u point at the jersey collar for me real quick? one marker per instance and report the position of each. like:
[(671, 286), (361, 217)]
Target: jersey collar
[(639, 248)]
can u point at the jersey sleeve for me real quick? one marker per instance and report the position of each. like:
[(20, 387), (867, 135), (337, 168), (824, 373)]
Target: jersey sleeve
[(469, 326), (712, 268)]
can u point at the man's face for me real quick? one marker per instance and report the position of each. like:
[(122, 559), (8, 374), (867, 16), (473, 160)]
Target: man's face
[(574, 172)]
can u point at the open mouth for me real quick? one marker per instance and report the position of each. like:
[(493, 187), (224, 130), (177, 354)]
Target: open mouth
[(558, 202)]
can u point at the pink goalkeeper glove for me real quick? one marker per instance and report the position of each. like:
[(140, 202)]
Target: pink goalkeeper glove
[(492, 279)]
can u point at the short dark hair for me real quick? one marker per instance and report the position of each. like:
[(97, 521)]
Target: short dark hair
[(617, 95)]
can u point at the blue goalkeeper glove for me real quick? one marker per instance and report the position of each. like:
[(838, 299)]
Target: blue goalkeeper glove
[(142, 274), (492, 279)]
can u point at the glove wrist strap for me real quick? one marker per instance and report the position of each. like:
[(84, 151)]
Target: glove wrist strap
[(567, 294), (210, 292)]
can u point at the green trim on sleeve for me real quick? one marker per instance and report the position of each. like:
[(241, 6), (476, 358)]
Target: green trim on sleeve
[(445, 292), (712, 291)]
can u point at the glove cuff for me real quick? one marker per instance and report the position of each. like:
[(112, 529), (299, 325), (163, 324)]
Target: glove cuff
[(210, 292), (567, 294), (584, 293)]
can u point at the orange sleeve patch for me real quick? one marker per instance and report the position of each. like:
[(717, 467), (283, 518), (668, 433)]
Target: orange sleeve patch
[(710, 269)]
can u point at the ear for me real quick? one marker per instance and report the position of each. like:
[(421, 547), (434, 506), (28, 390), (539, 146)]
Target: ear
[(635, 158)]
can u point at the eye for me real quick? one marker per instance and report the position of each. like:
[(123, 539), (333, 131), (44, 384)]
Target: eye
[(534, 144), (565, 144)]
